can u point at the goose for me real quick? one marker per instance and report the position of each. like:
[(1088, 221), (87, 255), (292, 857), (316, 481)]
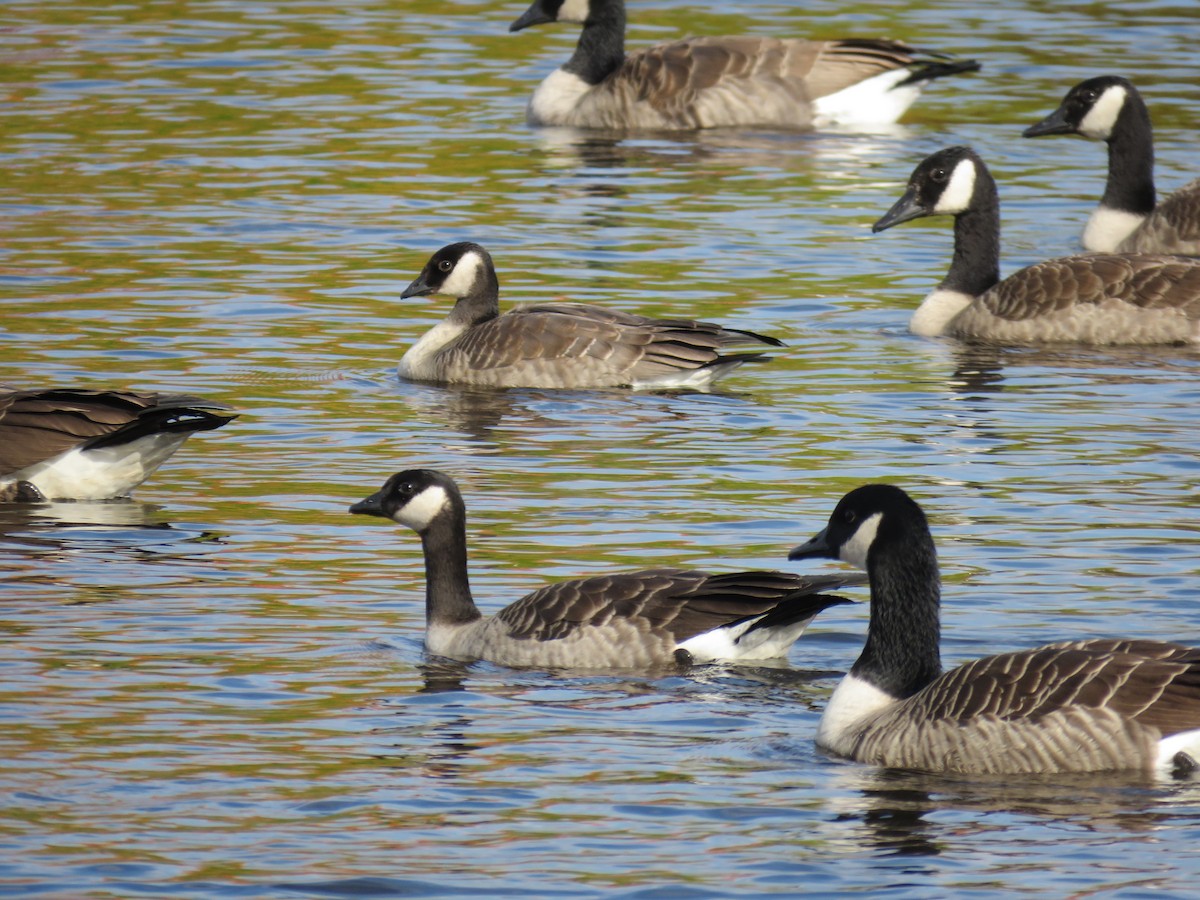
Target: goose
[(714, 82), (1109, 108), (624, 620), (557, 345), (81, 444), (1114, 298), (1075, 706)]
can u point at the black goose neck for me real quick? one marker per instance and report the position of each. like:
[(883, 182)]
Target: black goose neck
[(975, 267), (1130, 186), (601, 47), (902, 653), (482, 302), (447, 586)]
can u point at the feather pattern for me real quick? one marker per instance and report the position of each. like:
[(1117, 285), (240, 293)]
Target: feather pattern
[(1074, 706), (629, 619)]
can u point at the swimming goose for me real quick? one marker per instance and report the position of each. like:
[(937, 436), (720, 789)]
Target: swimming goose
[(557, 345), (1110, 109), (74, 444), (1113, 298), (1077, 706), (624, 620), (713, 82)]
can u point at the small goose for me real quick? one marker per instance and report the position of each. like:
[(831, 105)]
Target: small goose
[(1077, 706), (714, 82), (557, 345), (74, 444), (625, 620), (1097, 299), (1110, 109)]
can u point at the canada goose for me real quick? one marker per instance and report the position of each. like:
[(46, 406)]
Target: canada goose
[(625, 620), (1076, 706), (74, 444), (713, 82), (557, 345), (1110, 109), (1123, 298)]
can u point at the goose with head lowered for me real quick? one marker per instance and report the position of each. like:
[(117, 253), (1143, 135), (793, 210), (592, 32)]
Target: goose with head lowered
[(1129, 218), (1077, 706), (654, 617), (1099, 299), (80, 444), (558, 345), (715, 82)]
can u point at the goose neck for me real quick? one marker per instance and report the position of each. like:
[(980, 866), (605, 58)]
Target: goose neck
[(975, 267), (1130, 185), (601, 47), (447, 586), (481, 304)]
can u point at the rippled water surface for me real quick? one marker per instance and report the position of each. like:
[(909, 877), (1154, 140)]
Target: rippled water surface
[(219, 689)]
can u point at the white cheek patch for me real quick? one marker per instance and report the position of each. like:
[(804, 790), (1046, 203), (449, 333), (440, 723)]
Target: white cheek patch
[(464, 276), (574, 11), (1098, 124), (854, 551), (956, 197), (422, 509)]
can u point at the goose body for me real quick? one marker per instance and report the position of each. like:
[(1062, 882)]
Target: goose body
[(1129, 219), (74, 444), (1112, 298), (714, 82), (627, 620), (558, 345), (1076, 706)]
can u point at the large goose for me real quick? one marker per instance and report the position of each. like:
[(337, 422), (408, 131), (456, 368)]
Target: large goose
[(1110, 109), (1077, 706), (626, 620), (557, 345), (73, 444), (1113, 298), (712, 82)]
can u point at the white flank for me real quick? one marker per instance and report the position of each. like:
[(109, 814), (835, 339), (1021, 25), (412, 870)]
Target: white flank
[(100, 474), (1108, 227), (1102, 117), (573, 11), (417, 361), (852, 701), (875, 101), (1186, 741), (692, 379), (956, 196), (556, 98), (933, 317), (855, 550), (733, 642), (422, 509), (720, 643), (464, 275)]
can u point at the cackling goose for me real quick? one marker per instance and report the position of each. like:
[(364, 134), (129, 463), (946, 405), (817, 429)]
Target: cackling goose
[(1077, 706), (557, 345), (1124, 298), (713, 82), (625, 620), (73, 444), (1110, 109)]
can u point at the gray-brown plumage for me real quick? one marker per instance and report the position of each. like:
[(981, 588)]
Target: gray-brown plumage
[(1079, 706), (711, 82), (558, 345), (1127, 298), (77, 444), (628, 620), (1128, 219)]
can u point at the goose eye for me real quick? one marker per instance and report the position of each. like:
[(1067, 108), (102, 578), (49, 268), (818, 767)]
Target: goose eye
[(1088, 96), (406, 488), (849, 517), (445, 265), (939, 175)]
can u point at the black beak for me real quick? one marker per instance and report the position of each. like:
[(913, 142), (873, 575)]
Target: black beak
[(532, 16), (1055, 123), (372, 506), (907, 208), (419, 288), (814, 548)]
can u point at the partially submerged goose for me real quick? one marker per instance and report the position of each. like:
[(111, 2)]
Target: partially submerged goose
[(557, 345), (1115, 298), (1129, 218), (1078, 706), (713, 82), (73, 444), (625, 620)]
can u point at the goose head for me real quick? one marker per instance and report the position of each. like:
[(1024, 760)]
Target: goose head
[(949, 182), (457, 270), (866, 518), (415, 498), (1091, 109), (542, 11)]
